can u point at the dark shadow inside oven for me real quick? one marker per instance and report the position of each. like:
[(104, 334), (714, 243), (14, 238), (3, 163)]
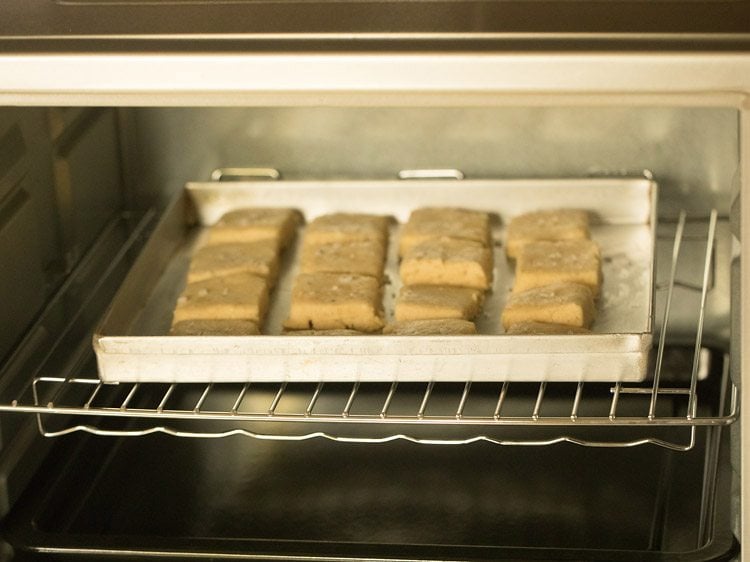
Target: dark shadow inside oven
[(161, 494)]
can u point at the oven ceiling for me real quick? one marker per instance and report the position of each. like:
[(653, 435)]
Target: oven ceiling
[(351, 25)]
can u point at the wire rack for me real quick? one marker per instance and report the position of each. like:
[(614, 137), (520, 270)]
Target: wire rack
[(665, 411)]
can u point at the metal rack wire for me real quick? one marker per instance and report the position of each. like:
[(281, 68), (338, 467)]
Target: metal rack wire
[(653, 412)]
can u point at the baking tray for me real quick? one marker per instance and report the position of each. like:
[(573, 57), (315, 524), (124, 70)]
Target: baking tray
[(131, 346)]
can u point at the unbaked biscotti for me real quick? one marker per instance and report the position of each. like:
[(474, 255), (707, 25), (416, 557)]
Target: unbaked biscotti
[(218, 327), (544, 328), (333, 301), (343, 227), (260, 258), (569, 304), (435, 222), (572, 261), (435, 327), (426, 302), (240, 296), (559, 224), (254, 224), (448, 261), (362, 257)]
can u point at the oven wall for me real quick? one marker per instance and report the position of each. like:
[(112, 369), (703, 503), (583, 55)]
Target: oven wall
[(60, 189), (693, 152)]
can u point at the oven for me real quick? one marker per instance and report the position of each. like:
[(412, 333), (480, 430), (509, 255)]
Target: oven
[(108, 109)]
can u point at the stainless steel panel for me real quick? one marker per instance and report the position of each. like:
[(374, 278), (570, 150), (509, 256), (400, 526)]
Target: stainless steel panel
[(87, 176), (692, 152), (207, 19), (30, 251)]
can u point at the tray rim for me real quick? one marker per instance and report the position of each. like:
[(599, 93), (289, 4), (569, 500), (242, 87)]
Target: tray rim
[(626, 343)]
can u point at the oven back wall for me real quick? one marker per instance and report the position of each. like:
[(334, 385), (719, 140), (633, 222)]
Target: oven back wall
[(693, 152)]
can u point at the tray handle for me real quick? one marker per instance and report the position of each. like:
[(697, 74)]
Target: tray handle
[(441, 174)]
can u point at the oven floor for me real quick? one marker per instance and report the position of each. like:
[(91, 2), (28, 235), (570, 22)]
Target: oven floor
[(162, 492), (240, 496)]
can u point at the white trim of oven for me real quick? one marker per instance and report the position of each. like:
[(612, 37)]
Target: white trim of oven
[(367, 78)]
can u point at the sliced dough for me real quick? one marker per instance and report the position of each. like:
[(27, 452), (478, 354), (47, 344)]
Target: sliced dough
[(573, 261), (364, 257), (560, 224), (332, 301), (543, 328), (254, 224), (241, 296), (569, 304), (259, 258), (322, 333), (435, 327), (448, 261), (220, 327), (342, 227), (424, 302), (435, 222)]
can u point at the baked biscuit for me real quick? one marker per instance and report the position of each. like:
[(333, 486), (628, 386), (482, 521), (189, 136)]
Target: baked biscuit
[(435, 327), (260, 258), (240, 296), (569, 304), (254, 224), (363, 257), (333, 301), (425, 302), (219, 327), (448, 261), (343, 227), (572, 261), (561, 224), (435, 222), (543, 328)]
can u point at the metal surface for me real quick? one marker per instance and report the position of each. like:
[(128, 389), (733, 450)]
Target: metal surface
[(319, 500), (589, 414), (131, 346), (693, 151), (355, 79), (203, 20)]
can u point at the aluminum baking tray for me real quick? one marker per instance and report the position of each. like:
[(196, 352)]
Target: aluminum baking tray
[(131, 344)]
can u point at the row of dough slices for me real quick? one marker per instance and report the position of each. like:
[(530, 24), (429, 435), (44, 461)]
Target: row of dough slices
[(338, 288), (558, 273), (446, 266), (232, 273)]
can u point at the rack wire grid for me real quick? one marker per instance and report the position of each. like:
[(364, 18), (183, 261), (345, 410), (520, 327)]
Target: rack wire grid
[(503, 413)]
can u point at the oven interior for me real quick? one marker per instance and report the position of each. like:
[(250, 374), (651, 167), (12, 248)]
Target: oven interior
[(133, 470)]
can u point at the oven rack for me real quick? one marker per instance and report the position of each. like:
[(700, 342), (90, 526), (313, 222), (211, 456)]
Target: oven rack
[(664, 411)]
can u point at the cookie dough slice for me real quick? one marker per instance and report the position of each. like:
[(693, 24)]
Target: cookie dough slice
[(448, 261), (240, 296), (333, 301), (429, 302), (435, 222), (219, 327), (544, 328), (343, 227), (569, 304), (572, 261), (363, 257), (434, 327), (254, 224), (260, 258), (559, 224)]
